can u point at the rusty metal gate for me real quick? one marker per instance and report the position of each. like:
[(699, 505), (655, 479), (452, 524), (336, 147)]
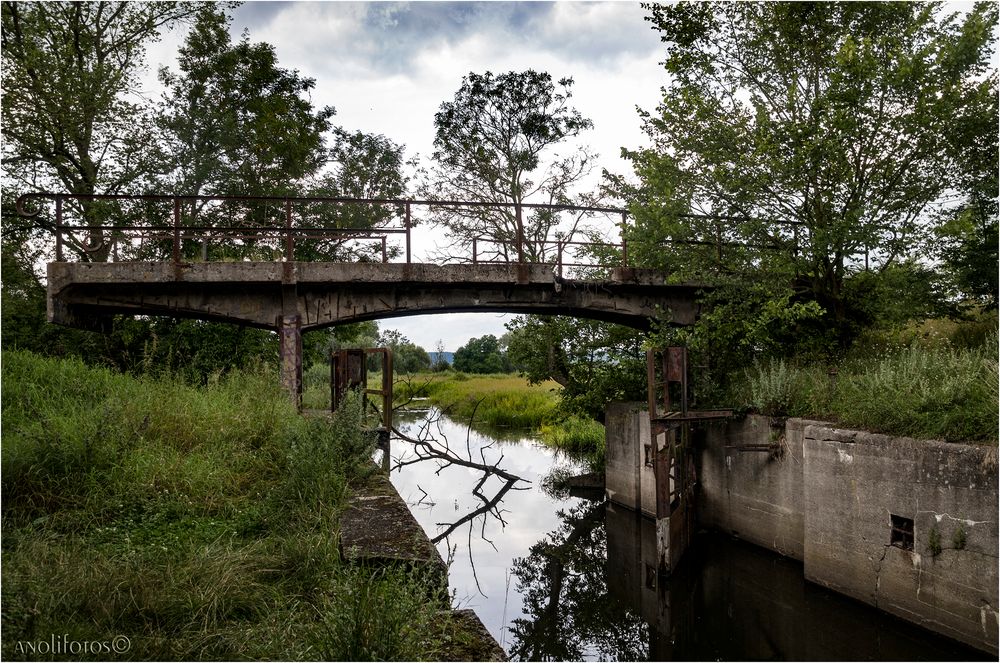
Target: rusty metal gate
[(670, 421), (349, 371)]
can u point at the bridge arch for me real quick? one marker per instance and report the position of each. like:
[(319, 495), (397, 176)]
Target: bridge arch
[(292, 298)]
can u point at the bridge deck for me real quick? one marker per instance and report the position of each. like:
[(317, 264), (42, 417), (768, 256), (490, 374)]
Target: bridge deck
[(321, 294)]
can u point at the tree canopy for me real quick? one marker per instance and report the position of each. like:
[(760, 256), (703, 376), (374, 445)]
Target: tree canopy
[(70, 120), (814, 140), (490, 145), (481, 355)]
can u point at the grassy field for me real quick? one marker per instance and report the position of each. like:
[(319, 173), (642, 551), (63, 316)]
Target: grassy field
[(198, 523)]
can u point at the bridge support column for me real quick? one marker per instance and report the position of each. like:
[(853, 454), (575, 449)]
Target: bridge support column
[(290, 335)]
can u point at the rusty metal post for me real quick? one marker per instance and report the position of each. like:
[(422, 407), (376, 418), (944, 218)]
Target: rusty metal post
[(475, 251), (559, 262), (651, 383), (290, 338), (520, 233), (177, 232), (59, 232), (409, 224), (289, 240), (624, 241), (386, 406), (385, 253)]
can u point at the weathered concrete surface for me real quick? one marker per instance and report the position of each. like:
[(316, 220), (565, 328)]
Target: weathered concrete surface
[(756, 495), (948, 582), (324, 294), (378, 529), (827, 497), (629, 480), (470, 640)]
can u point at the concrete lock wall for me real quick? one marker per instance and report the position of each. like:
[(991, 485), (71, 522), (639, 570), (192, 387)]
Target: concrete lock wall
[(830, 497)]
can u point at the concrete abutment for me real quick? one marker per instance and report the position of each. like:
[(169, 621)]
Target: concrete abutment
[(907, 526)]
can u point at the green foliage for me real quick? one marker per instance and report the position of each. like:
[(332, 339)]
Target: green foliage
[(934, 541), (237, 123), (407, 357), (958, 537), (927, 392), (596, 363), (68, 121), (489, 143), (200, 522), (578, 435), (807, 139), (481, 355), (380, 615), (489, 401)]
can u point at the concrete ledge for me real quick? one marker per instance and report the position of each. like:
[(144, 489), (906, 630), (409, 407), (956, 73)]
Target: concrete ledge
[(378, 529)]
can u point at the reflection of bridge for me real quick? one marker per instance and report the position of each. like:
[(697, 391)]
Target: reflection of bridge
[(319, 267)]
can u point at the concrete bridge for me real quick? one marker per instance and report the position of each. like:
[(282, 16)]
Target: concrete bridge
[(154, 267), (292, 298)]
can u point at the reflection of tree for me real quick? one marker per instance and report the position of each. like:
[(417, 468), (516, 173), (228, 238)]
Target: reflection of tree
[(565, 593), (426, 445)]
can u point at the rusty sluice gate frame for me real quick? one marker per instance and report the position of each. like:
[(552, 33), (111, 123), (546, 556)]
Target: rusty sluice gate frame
[(673, 462), (349, 371)]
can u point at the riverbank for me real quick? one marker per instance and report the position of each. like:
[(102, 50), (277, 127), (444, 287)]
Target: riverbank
[(929, 387), (170, 522), (500, 402)]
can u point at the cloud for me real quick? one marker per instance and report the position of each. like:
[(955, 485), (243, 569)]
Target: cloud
[(389, 38)]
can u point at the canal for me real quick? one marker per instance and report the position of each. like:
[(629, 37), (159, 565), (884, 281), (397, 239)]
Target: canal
[(555, 576)]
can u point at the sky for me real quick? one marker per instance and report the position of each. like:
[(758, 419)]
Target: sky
[(386, 67)]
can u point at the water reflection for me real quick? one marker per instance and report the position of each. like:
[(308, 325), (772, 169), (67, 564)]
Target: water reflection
[(559, 578)]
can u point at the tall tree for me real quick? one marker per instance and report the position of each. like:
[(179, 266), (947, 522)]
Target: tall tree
[(407, 357), (482, 355), (491, 144), (361, 166), (817, 133), (69, 120), (596, 363), (238, 124)]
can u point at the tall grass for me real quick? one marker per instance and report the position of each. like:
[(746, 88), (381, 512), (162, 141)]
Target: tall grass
[(927, 392), (201, 523), (501, 401)]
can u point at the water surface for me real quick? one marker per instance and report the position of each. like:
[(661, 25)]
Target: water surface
[(557, 577)]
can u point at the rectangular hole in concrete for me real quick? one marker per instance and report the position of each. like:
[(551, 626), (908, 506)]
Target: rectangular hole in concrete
[(901, 532), (649, 455)]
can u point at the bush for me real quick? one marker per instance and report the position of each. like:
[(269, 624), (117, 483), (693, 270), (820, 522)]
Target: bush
[(934, 391)]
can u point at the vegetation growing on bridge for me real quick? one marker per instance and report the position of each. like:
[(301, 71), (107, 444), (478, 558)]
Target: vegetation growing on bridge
[(199, 521)]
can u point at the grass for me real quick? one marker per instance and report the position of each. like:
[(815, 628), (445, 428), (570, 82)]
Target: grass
[(493, 401), (503, 401), (924, 391), (200, 523)]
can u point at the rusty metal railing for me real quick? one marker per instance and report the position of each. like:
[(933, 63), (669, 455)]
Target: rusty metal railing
[(282, 223), (291, 228)]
